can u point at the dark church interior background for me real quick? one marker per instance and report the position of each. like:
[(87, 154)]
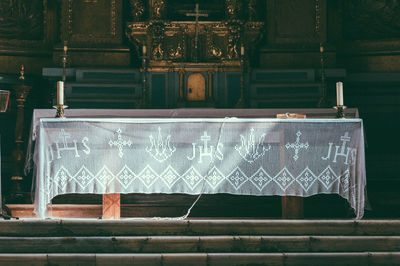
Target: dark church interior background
[(152, 54)]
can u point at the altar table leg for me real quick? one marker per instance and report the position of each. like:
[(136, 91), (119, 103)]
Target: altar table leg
[(292, 207), (111, 206)]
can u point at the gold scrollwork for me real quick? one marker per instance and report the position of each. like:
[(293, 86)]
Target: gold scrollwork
[(234, 36), (173, 42), (176, 53), (158, 52), (232, 9), (216, 52), (158, 8), (137, 9), (213, 50)]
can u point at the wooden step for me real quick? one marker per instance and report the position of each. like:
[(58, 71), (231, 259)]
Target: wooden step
[(203, 259), (188, 244), (58, 210), (193, 227)]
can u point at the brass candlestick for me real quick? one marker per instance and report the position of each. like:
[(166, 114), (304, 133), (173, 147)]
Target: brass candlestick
[(60, 110), (340, 111)]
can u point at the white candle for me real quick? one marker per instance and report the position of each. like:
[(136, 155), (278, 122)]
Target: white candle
[(339, 93), (144, 50), (242, 50), (60, 93)]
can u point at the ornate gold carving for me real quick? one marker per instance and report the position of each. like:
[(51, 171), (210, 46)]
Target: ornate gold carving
[(216, 52), (137, 9), (137, 34), (158, 52), (157, 31), (234, 29), (233, 9), (176, 53), (213, 50), (158, 9), (173, 43)]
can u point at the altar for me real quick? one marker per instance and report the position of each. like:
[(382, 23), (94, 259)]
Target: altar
[(241, 152)]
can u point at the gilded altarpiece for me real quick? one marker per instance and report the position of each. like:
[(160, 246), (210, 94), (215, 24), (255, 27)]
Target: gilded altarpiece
[(199, 46)]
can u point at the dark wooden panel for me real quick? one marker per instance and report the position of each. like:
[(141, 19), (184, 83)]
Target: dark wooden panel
[(369, 20), (92, 22), (295, 21), (22, 20)]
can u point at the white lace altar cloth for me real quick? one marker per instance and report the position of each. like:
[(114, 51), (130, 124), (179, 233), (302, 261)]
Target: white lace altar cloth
[(173, 113), (242, 156)]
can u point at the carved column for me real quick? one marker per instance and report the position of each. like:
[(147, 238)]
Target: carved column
[(18, 154)]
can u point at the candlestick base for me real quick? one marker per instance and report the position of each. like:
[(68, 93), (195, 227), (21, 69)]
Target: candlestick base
[(340, 111), (60, 110)]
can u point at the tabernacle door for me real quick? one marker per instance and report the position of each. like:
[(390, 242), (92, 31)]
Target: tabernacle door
[(196, 87)]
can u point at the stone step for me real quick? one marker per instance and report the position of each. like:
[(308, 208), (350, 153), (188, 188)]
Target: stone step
[(192, 244), (193, 227), (203, 259)]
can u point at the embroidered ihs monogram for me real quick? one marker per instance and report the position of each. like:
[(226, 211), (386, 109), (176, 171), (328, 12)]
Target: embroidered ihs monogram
[(207, 150)]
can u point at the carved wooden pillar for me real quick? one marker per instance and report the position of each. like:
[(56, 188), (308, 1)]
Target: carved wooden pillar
[(18, 154)]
